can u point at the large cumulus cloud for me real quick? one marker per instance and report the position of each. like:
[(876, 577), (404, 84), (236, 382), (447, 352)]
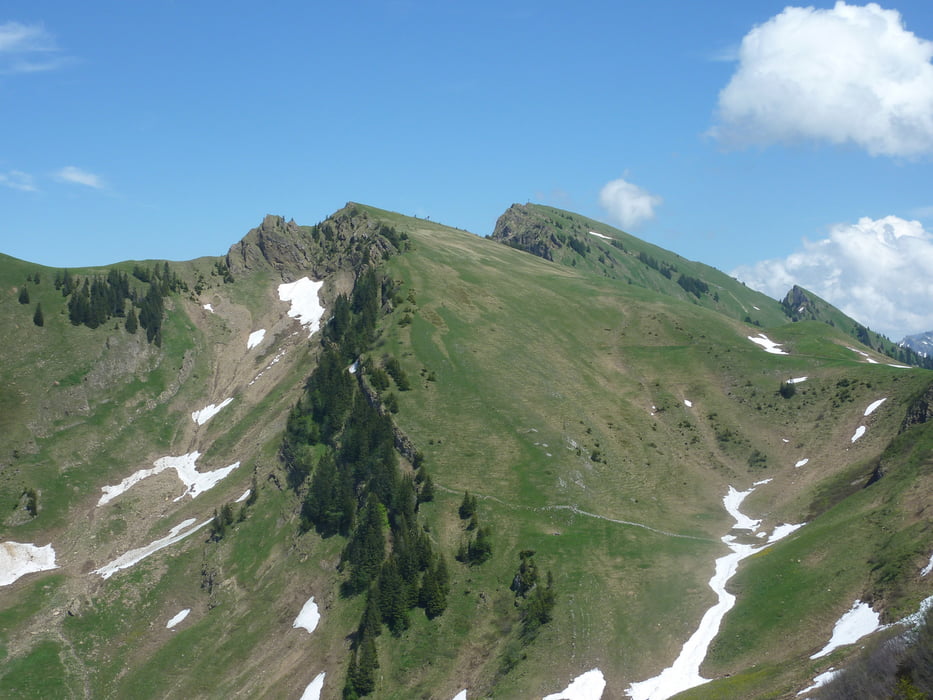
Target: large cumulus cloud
[(847, 75)]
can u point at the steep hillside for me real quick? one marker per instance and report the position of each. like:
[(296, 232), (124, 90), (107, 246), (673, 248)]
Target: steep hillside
[(581, 427)]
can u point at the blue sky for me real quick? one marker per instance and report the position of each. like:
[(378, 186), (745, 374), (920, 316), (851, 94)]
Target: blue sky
[(785, 146)]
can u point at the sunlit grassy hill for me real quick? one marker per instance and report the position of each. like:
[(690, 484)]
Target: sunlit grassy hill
[(598, 408)]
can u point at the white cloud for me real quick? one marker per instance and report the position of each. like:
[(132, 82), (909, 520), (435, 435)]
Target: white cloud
[(627, 204), (27, 48), (17, 180), (879, 272), (79, 177), (847, 75)]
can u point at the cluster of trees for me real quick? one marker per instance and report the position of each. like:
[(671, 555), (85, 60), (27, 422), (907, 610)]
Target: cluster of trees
[(693, 285), (226, 517), (339, 447), (94, 300), (477, 548), (37, 317), (537, 601), (664, 268)]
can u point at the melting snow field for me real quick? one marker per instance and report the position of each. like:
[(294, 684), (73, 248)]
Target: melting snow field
[(684, 673), (797, 380), (313, 691), (134, 556), (802, 462), (205, 414), (244, 496), (873, 405), (462, 695), (255, 338), (308, 617), (178, 618), (599, 235), (588, 686), (768, 344), (928, 568), (688, 403), (820, 681), (306, 306), (195, 482), (20, 559), (851, 627), (859, 432)]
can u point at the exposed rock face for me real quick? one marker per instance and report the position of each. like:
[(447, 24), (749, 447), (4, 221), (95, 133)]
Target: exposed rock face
[(346, 240), (920, 411), (521, 228)]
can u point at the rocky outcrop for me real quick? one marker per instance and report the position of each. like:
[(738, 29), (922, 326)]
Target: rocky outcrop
[(920, 410), (521, 228), (347, 240)]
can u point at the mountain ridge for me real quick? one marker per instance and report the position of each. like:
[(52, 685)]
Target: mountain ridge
[(593, 418)]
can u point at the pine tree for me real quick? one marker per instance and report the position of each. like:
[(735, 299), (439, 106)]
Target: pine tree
[(23, 295), (37, 317), (467, 506), (131, 323)]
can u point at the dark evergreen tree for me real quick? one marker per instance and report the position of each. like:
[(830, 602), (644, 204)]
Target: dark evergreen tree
[(366, 548), (467, 506), (393, 598), (131, 323), (37, 317), (23, 295)]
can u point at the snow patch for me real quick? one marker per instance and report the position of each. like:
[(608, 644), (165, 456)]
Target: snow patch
[(588, 686), (354, 367), (873, 405), (208, 307), (928, 568), (313, 691), (688, 403), (600, 235), (255, 338), (306, 305), (178, 618), (18, 559), (134, 556), (797, 380), (244, 496), (768, 344), (732, 501), (859, 432), (851, 627), (782, 531), (462, 695), (308, 617), (684, 673), (755, 307), (820, 680), (195, 482), (205, 414), (801, 462)]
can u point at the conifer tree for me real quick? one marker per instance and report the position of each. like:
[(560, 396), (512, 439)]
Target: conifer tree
[(37, 317), (131, 323), (23, 295)]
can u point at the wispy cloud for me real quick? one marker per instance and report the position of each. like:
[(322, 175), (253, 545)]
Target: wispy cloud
[(846, 75), (28, 48), (18, 180), (79, 177), (628, 204), (877, 271)]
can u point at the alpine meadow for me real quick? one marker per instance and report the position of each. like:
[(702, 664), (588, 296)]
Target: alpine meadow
[(382, 457)]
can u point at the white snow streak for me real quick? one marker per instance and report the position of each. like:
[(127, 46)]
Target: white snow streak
[(684, 673), (462, 695), (255, 338), (802, 462), (872, 406), (928, 568), (600, 235), (768, 344), (195, 482), (588, 686), (209, 307), (851, 627), (135, 556), (18, 559), (178, 618), (308, 617), (306, 305), (859, 432), (820, 681), (244, 496), (688, 403), (205, 414), (797, 380), (313, 691)]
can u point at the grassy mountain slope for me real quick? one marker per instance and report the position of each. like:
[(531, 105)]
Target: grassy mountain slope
[(599, 412)]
